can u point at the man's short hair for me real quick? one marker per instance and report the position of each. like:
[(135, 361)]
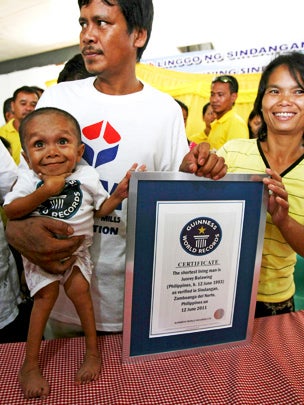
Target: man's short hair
[(233, 83), (24, 89)]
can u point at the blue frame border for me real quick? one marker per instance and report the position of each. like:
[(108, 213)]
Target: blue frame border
[(145, 190)]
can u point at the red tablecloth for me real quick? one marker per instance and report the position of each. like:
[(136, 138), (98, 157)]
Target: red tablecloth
[(269, 370)]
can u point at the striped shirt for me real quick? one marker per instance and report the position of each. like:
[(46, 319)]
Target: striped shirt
[(276, 283)]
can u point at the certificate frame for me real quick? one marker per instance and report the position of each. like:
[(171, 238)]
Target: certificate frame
[(150, 191)]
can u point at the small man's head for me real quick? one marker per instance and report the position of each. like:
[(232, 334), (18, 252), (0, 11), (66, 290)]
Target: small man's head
[(51, 141), (224, 92)]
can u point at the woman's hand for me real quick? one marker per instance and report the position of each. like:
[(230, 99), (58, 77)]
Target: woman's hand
[(278, 205), (278, 208)]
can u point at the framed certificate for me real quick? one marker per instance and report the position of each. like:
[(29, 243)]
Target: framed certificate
[(194, 250)]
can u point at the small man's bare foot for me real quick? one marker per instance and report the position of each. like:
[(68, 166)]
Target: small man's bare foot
[(89, 370), (33, 384)]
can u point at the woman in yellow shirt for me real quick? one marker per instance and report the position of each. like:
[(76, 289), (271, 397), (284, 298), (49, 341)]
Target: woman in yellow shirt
[(278, 150)]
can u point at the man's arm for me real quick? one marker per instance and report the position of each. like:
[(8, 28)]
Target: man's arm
[(36, 238), (202, 162)]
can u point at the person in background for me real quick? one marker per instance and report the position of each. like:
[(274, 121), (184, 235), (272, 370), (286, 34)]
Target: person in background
[(279, 152), (122, 120), (14, 314), (7, 109), (185, 110), (24, 101), (57, 186), (74, 69), (228, 124), (7, 144), (8, 147), (208, 116), (18, 260), (254, 123), (38, 90)]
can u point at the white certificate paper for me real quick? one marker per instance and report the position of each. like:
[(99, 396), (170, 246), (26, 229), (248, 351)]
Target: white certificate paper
[(195, 269)]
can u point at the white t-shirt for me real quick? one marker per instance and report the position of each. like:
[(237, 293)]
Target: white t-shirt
[(8, 172), (82, 194), (9, 279), (144, 127)]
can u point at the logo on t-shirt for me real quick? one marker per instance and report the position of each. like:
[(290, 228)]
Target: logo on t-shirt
[(65, 205), (105, 130), (200, 236)]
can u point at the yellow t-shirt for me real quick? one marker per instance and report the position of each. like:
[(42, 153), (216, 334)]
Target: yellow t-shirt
[(229, 126), (9, 132), (199, 137), (276, 283)]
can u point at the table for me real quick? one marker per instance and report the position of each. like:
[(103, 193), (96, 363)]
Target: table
[(269, 370)]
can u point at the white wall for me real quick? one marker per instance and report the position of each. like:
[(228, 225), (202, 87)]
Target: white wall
[(30, 77), (228, 25)]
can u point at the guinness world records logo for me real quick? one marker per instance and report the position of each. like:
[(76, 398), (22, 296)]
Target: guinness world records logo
[(200, 236)]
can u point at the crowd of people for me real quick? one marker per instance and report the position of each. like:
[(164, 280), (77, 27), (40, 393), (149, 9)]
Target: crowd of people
[(221, 122), (114, 112)]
